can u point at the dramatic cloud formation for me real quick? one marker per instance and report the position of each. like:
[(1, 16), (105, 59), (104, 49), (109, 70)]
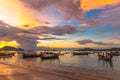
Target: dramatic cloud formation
[(28, 38), (31, 21), (10, 33), (111, 16), (69, 9), (50, 38), (97, 4), (57, 30), (87, 41), (13, 13)]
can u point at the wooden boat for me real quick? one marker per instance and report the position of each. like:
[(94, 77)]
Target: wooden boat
[(67, 53), (4, 55), (106, 57), (80, 53), (115, 53), (61, 53), (31, 55), (101, 56), (50, 56)]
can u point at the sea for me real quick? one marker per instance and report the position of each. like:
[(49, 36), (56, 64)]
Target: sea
[(65, 63)]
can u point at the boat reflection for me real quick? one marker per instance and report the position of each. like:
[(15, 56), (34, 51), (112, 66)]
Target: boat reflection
[(105, 64), (51, 59)]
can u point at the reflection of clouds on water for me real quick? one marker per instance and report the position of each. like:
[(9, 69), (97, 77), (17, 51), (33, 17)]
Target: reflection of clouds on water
[(67, 62)]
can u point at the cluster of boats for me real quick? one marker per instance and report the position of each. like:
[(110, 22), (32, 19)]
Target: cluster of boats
[(6, 55), (55, 55), (82, 52), (43, 55), (115, 53)]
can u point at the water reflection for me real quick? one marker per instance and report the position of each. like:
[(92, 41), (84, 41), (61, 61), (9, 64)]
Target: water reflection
[(6, 58), (105, 64), (75, 61), (50, 61)]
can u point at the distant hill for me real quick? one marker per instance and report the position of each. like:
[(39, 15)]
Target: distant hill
[(9, 48), (77, 49), (89, 49), (20, 49), (86, 49)]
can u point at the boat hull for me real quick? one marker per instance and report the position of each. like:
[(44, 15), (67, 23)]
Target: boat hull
[(31, 55), (104, 57), (55, 56), (80, 53)]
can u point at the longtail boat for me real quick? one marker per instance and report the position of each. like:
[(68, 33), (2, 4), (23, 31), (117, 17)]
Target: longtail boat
[(31, 55), (117, 53), (80, 53), (50, 56), (105, 57), (6, 55)]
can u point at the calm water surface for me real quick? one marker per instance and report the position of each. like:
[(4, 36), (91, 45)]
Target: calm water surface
[(72, 62)]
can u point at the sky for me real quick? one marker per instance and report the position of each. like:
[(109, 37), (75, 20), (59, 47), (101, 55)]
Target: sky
[(60, 23)]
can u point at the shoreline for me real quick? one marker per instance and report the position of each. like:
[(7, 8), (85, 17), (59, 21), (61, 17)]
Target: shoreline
[(85, 74)]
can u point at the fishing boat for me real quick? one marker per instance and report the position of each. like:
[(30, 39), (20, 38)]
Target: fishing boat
[(31, 55), (107, 57), (6, 54), (117, 53), (50, 56), (80, 53)]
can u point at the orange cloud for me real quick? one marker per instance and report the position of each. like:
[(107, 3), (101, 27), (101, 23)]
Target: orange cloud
[(13, 13), (97, 4)]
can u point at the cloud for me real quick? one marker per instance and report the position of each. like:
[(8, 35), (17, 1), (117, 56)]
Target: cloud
[(26, 41), (69, 9), (4, 24), (28, 38), (50, 38), (97, 4), (111, 16), (87, 41), (56, 30), (83, 25), (116, 39)]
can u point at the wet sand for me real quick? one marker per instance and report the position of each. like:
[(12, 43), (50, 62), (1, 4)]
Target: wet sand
[(9, 72)]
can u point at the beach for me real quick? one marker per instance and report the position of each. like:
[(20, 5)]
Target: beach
[(68, 67), (10, 72), (59, 39)]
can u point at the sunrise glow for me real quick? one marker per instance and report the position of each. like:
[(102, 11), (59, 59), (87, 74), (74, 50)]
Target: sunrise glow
[(78, 28)]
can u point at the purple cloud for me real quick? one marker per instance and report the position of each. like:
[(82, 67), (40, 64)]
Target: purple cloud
[(57, 30), (28, 38), (69, 9), (87, 41)]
